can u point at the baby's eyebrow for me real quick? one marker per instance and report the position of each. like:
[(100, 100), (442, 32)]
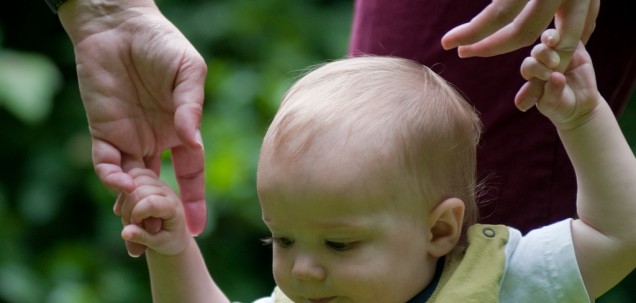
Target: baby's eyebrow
[(351, 225)]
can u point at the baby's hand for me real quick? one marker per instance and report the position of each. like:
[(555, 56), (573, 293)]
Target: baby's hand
[(152, 199), (567, 98)]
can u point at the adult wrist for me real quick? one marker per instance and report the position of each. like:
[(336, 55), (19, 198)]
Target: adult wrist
[(54, 4), (82, 18)]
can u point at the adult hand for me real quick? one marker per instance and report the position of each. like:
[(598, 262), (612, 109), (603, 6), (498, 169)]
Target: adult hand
[(507, 25), (141, 83)]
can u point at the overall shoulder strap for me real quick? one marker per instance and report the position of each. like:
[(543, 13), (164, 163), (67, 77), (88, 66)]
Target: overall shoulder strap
[(473, 274)]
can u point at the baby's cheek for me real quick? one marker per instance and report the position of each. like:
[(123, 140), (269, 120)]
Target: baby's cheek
[(281, 269), (279, 261)]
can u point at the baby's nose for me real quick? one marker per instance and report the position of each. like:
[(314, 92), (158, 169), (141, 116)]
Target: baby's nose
[(306, 267)]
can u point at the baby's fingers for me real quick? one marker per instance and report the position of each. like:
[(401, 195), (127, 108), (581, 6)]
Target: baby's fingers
[(152, 207), (531, 69), (529, 94), (541, 63), (557, 103), (136, 236), (163, 242), (546, 55), (553, 92), (135, 250)]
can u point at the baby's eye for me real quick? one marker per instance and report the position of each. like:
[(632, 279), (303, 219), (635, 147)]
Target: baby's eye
[(341, 246), (280, 241)]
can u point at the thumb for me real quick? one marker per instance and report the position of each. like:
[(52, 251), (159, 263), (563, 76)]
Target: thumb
[(136, 239), (107, 161)]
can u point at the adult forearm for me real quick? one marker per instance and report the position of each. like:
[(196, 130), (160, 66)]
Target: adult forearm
[(182, 278)]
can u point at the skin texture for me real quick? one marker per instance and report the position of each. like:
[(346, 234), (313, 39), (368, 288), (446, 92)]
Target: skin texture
[(330, 222), (335, 210), (178, 272), (507, 25), (141, 83), (605, 235), (142, 87)]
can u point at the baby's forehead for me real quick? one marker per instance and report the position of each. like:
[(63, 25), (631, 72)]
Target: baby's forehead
[(358, 176)]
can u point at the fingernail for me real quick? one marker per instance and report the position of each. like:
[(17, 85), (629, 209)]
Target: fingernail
[(554, 59), (199, 138), (526, 104)]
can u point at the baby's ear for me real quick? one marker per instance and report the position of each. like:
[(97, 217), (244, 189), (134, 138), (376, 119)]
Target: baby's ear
[(445, 221)]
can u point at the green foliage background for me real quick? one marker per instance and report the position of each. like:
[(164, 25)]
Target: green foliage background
[(59, 241)]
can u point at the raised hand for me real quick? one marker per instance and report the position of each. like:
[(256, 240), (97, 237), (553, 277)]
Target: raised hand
[(507, 25), (567, 97)]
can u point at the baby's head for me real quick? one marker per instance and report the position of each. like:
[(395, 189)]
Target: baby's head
[(361, 178)]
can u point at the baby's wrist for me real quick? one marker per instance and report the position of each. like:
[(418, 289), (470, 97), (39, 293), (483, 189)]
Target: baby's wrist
[(594, 110)]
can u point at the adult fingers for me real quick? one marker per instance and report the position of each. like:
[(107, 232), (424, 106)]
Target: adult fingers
[(188, 95), (522, 31), (107, 161), (117, 208), (590, 21), (570, 22), (188, 159), (492, 18), (189, 168)]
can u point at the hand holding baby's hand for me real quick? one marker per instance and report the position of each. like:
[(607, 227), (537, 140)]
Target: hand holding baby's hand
[(567, 97), (152, 200)]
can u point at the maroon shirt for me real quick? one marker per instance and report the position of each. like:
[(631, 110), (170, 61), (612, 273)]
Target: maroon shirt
[(530, 180)]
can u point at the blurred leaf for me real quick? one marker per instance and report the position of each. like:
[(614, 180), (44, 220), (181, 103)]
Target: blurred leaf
[(72, 292), (28, 82), (19, 283), (3, 202), (41, 194)]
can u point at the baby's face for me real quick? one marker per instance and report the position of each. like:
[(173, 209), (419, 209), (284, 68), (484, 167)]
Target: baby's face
[(339, 233)]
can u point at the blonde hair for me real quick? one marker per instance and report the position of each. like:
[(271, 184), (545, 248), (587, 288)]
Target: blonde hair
[(406, 106)]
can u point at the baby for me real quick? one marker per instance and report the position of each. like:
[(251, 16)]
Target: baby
[(366, 180)]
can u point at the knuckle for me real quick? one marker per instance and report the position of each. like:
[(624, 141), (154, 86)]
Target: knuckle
[(503, 15), (526, 37)]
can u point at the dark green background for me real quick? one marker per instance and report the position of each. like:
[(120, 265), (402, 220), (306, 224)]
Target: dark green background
[(59, 241)]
